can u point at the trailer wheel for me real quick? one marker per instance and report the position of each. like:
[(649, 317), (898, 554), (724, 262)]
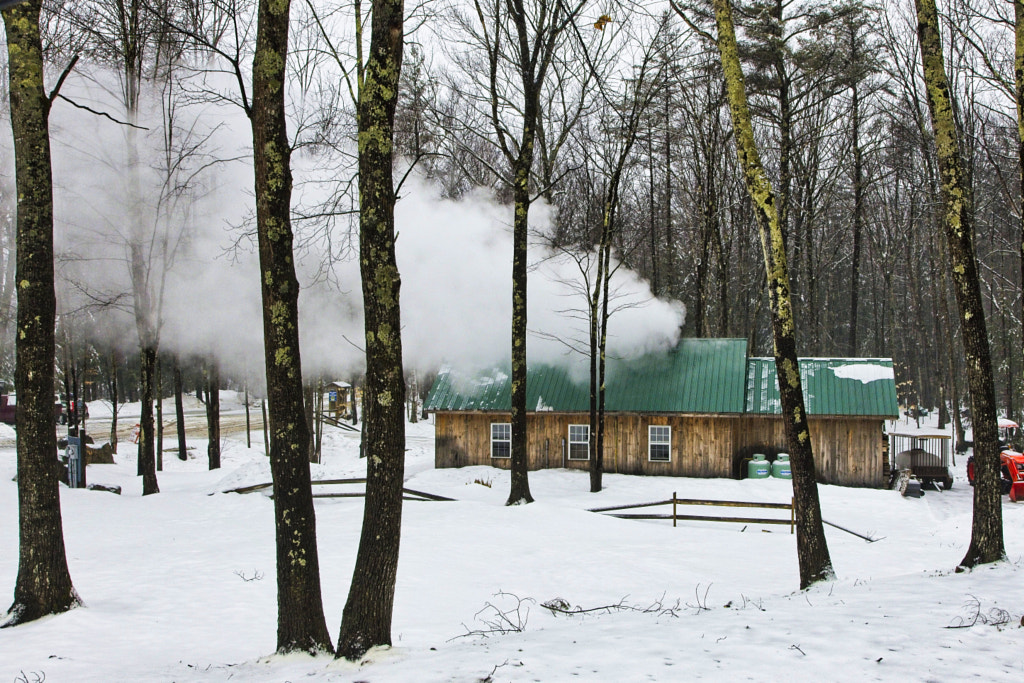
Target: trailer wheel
[(947, 483)]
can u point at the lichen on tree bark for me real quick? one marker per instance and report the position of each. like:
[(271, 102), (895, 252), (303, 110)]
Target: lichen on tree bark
[(812, 549), (43, 585)]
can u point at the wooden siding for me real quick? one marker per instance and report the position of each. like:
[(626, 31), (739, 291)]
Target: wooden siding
[(847, 451)]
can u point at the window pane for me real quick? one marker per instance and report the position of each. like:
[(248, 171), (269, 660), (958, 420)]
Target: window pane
[(660, 434), (501, 440), (579, 451), (579, 433), (660, 452)]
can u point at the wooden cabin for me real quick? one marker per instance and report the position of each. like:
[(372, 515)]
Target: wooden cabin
[(697, 410)]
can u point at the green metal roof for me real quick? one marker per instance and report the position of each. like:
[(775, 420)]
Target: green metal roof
[(697, 376), (832, 386)]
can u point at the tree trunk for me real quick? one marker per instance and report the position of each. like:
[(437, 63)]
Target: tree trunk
[(147, 433), (987, 528), (43, 585), (179, 411), (1018, 72), (858, 218), (300, 615), (309, 401), (213, 414), (414, 414), (519, 491), (248, 421), (812, 550), (159, 416), (318, 422), (114, 401), (355, 404), (366, 620)]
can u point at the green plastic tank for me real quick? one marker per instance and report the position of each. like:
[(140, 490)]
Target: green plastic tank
[(780, 468), (758, 467)]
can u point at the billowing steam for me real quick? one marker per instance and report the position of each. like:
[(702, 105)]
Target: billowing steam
[(454, 258)]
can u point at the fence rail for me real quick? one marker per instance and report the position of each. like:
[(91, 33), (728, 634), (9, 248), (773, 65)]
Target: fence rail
[(676, 502), (407, 494)]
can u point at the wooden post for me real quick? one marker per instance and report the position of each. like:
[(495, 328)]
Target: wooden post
[(792, 516), (673, 509)]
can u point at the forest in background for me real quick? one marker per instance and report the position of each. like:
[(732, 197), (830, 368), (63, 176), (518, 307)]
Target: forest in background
[(840, 115)]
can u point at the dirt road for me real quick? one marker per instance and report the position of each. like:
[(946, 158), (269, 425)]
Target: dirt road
[(231, 424)]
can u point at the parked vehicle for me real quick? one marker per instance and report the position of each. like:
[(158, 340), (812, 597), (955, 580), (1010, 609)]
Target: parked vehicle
[(9, 408), (1011, 471), (925, 454)]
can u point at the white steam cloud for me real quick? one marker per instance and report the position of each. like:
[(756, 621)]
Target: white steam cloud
[(454, 258)]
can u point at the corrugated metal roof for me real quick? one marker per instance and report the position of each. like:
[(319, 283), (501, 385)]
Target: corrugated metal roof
[(832, 386), (698, 376)]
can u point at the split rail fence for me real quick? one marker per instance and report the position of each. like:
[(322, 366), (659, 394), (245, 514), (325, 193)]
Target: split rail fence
[(676, 502), (407, 494)]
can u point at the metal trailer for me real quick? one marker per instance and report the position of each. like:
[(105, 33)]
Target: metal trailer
[(925, 455)]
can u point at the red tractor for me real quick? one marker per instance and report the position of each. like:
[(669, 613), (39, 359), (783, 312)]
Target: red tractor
[(1011, 464)]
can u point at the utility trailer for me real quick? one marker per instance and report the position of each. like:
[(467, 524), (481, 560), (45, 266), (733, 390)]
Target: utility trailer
[(925, 454)]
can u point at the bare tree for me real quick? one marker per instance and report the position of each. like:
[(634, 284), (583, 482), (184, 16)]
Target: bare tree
[(513, 46), (44, 584), (987, 528), (812, 549), (366, 620), (300, 617)]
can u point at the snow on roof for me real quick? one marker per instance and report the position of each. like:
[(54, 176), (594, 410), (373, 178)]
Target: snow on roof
[(864, 372)]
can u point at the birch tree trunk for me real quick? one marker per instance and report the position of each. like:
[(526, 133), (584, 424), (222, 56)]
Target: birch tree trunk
[(812, 549), (957, 221), (44, 584)]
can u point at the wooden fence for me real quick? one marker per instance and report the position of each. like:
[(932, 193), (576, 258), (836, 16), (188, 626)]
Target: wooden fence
[(407, 494), (676, 502)]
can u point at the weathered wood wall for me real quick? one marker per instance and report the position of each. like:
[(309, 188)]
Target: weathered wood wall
[(847, 451)]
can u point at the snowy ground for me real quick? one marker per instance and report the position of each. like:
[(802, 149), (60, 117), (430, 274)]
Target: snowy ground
[(180, 586)]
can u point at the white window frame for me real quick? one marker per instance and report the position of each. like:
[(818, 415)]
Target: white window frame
[(651, 443), (577, 442), (501, 440)]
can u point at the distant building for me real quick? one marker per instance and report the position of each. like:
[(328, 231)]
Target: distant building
[(698, 410), (340, 399)]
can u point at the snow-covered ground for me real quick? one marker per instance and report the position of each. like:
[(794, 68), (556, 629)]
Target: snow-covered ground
[(180, 586)]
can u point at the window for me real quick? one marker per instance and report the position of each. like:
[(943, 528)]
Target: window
[(659, 443), (579, 442), (501, 440)]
